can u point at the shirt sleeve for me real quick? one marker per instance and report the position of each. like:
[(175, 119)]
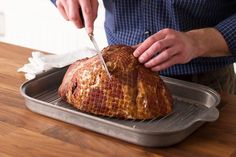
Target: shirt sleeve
[(228, 29), (54, 2)]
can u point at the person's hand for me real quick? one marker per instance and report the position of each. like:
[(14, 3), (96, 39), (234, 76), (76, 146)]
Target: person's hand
[(169, 47), (71, 10), (166, 48)]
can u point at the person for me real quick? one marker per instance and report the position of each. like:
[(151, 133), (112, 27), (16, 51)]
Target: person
[(188, 40)]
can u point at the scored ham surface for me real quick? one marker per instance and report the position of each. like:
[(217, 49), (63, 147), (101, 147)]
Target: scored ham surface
[(133, 92)]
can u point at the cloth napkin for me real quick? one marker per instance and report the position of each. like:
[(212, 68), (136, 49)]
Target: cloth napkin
[(40, 62)]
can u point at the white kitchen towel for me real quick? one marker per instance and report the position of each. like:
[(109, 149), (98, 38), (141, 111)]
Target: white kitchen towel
[(40, 62)]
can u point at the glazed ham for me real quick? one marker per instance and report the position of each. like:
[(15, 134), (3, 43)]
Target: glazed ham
[(133, 92)]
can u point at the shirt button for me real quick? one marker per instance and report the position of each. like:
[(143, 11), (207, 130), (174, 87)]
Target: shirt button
[(147, 32)]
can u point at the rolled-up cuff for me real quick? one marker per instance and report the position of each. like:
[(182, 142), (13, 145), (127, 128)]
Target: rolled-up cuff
[(228, 29), (54, 2)]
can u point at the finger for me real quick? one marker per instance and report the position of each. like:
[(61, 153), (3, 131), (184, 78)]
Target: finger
[(154, 49), (62, 9), (87, 14), (65, 5), (74, 14), (94, 5), (148, 42), (172, 61), (161, 57), (136, 46)]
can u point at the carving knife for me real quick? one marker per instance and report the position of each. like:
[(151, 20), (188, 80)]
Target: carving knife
[(91, 37)]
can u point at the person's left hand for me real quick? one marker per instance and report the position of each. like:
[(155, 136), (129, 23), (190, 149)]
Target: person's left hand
[(166, 48)]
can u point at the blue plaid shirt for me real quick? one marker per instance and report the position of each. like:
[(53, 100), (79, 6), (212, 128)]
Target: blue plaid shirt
[(132, 21)]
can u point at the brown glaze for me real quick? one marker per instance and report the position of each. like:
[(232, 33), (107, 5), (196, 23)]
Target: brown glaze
[(133, 92)]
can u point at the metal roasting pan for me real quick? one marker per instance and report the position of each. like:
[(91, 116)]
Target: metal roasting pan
[(194, 105)]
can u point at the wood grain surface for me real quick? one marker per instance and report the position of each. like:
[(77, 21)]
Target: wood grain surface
[(27, 134)]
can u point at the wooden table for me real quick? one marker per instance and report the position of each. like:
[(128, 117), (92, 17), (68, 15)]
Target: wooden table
[(26, 134)]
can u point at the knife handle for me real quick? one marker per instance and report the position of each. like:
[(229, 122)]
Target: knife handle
[(82, 20), (81, 16)]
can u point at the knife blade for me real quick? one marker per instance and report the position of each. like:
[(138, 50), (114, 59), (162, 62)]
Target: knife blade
[(91, 37)]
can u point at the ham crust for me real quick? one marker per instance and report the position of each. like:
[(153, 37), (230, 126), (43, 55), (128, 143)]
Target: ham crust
[(133, 92)]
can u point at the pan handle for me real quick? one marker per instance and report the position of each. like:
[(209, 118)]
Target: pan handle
[(211, 115)]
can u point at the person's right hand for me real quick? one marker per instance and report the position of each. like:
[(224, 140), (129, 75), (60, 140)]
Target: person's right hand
[(70, 10)]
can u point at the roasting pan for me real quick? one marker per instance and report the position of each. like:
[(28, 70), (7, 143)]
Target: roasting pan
[(194, 105)]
